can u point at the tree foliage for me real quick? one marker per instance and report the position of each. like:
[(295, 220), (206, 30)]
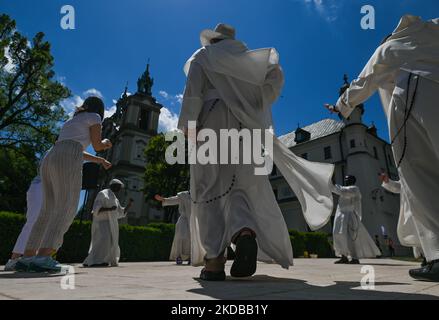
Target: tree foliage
[(161, 177), (30, 110)]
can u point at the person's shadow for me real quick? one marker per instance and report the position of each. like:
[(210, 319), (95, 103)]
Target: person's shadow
[(270, 288)]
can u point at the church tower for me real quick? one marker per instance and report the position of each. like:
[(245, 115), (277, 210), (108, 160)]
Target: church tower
[(130, 129), (366, 156)]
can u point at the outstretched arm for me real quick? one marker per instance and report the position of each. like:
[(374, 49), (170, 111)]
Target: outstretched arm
[(379, 71), (392, 186), (171, 201)]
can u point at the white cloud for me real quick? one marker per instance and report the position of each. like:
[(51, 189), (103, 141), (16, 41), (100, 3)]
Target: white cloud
[(164, 94), (328, 9), (69, 105), (108, 113), (93, 92), (168, 120), (179, 98), (171, 98)]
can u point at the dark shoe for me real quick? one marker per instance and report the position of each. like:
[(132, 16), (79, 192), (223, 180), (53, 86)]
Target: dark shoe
[(354, 261), (98, 265), (244, 264), (212, 275), (343, 260), (428, 273), (230, 254), (424, 263)]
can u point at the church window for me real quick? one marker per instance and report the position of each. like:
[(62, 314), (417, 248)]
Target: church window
[(328, 153), (352, 142), (144, 119)]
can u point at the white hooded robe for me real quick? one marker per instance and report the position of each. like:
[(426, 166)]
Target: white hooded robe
[(181, 246), (351, 238), (104, 246), (229, 87), (405, 70)]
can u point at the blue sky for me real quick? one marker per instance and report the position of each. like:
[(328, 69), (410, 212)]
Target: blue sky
[(318, 40)]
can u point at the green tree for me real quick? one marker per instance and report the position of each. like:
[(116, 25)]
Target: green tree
[(161, 177), (17, 169), (30, 110)]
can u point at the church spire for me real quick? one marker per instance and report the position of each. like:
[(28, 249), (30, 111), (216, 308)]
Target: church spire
[(145, 82)]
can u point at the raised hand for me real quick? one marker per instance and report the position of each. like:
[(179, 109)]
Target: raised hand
[(106, 164), (384, 178), (159, 198), (107, 143), (331, 108)]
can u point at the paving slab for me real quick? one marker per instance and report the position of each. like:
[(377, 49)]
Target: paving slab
[(313, 279)]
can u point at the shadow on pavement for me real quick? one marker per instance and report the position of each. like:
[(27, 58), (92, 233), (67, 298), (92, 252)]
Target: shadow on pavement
[(267, 287)]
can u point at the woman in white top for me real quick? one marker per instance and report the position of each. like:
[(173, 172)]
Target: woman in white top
[(61, 175)]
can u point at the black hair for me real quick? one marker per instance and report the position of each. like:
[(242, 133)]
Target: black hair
[(92, 105), (350, 180)]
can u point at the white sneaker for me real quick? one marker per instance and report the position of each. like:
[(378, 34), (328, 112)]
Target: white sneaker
[(10, 265)]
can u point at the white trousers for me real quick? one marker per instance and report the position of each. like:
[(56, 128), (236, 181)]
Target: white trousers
[(34, 199)]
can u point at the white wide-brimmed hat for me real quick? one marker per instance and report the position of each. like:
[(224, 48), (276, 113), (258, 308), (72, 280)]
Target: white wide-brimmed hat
[(221, 31), (116, 181)]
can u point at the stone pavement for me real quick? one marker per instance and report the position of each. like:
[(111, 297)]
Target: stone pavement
[(308, 279)]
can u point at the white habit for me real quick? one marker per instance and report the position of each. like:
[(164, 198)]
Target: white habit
[(104, 247), (351, 238), (407, 228), (181, 246), (230, 87), (405, 70), (34, 200)]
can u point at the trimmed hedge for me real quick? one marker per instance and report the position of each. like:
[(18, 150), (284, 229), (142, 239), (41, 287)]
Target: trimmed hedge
[(312, 242), (136, 243), (150, 243)]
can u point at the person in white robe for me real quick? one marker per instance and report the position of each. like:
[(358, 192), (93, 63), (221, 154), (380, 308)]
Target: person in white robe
[(34, 199), (232, 87), (407, 229), (405, 71), (181, 245), (107, 210), (351, 239)]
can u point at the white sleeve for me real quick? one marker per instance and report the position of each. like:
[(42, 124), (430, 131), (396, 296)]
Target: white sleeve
[(379, 70), (120, 210), (343, 191), (193, 95), (337, 189), (98, 203), (92, 119), (172, 201), (392, 186), (273, 84)]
